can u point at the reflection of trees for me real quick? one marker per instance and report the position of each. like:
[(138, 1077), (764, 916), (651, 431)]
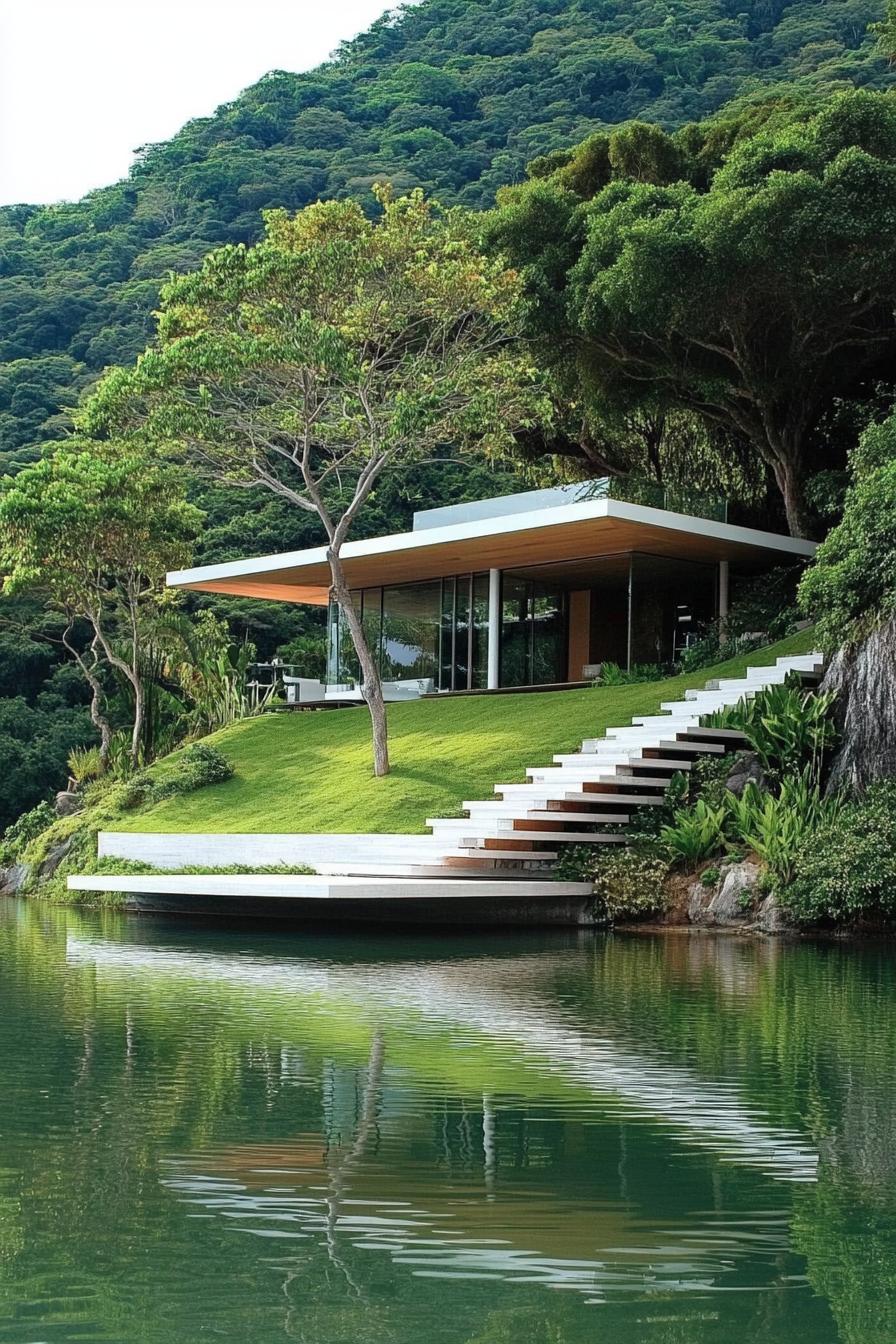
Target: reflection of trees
[(418, 634), (228, 1053)]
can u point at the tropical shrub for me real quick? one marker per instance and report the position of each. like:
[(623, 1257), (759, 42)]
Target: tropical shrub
[(85, 763), (845, 869), (776, 827), (629, 883), (787, 727), (611, 674), (697, 832), (192, 768), (22, 831)]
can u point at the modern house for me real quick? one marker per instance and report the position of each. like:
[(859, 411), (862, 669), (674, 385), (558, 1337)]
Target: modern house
[(528, 589)]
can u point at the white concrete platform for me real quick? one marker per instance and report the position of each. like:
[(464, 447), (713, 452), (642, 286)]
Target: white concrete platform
[(454, 900)]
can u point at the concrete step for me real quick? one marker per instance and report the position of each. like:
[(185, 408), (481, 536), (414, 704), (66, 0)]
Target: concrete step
[(730, 737), (520, 807), (501, 847), (560, 817), (619, 778), (482, 869), (552, 837), (616, 799), (660, 763), (704, 748)]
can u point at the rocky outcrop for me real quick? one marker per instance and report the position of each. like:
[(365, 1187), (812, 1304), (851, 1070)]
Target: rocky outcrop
[(864, 677), (68, 803), (746, 770), (771, 919), (729, 901), (13, 878)]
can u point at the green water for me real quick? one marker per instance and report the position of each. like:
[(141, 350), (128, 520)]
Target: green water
[(243, 1135)]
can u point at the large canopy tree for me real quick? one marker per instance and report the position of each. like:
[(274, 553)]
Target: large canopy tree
[(92, 530), (338, 349), (750, 287)]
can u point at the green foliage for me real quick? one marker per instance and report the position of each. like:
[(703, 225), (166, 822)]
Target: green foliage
[(776, 826), (708, 778), (211, 671), (751, 293), (710, 876), (789, 728), (35, 741), (845, 870), (612, 674), (629, 883), (193, 767), (696, 832), (852, 584), (85, 763), (22, 831)]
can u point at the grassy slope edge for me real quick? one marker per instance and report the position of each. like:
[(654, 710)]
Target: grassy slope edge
[(311, 772)]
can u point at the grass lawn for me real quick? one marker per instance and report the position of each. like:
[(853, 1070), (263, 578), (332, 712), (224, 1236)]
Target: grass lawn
[(312, 773)]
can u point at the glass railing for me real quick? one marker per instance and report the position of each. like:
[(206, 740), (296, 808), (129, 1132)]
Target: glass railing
[(675, 499)]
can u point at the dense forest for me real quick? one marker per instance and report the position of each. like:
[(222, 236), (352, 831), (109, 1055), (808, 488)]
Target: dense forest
[(456, 96)]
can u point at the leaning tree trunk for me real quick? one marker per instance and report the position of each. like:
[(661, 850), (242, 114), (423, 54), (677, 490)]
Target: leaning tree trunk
[(864, 677), (371, 686), (97, 717)]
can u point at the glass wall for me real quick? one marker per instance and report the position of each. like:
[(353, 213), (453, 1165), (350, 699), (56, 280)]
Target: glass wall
[(533, 632), (641, 609), (418, 631), (670, 601), (410, 632), (479, 633)]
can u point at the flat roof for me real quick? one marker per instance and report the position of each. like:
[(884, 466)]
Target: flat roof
[(590, 527)]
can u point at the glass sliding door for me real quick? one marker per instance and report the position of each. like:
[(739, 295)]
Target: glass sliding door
[(454, 655), (437, 630), (533, 632), (671, 601)]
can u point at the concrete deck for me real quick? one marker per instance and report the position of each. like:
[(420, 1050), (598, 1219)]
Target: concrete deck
[(396, 900)]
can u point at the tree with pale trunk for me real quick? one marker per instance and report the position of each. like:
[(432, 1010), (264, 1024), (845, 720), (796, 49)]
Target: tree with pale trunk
[(338, 349), (92, 529)]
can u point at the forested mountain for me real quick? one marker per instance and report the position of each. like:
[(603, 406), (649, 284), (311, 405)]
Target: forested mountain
[(455, 95)]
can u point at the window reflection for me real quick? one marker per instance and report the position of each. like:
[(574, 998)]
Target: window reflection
[(410, 631)]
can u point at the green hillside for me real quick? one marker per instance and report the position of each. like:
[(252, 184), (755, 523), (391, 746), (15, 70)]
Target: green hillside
[(311, 772), (454, 95)]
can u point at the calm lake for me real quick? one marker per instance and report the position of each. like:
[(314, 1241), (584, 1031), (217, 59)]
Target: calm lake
[(255, 1136)]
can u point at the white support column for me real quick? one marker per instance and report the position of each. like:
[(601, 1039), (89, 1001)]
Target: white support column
[(723, 599), (494, 629)]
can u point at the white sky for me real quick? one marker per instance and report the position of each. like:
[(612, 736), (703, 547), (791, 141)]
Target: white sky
[(84, 82)]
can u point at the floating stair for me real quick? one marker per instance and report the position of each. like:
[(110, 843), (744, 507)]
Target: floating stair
[(586, 797), (571, 800)]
